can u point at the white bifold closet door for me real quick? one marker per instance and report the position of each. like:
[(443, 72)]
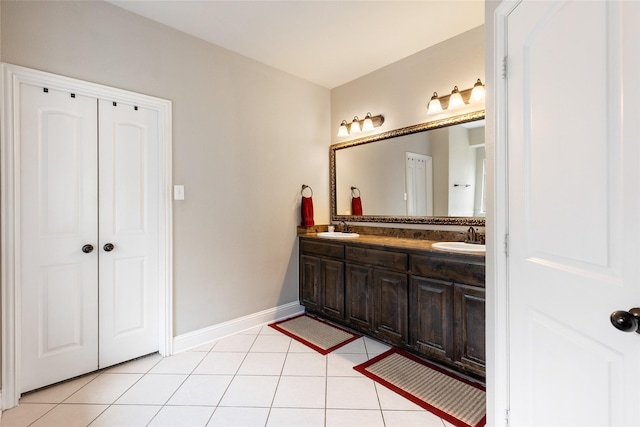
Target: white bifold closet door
[(89, 228)]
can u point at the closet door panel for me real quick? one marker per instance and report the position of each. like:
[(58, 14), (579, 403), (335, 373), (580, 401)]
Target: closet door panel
[(129, 221), (58, 217)]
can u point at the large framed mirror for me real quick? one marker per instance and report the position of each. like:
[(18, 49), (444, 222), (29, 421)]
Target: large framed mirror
[(430, 173)]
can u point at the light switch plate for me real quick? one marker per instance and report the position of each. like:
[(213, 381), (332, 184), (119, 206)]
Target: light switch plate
[(178, 192)]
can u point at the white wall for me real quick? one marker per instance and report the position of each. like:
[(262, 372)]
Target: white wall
[(245, 136), (462, 171), (479, 193)]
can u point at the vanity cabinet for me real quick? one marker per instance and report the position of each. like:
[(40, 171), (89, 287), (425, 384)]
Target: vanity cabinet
[(359, 297), (431, 317), (447, 310), (376, 293), (469, 324), (424, 301), (376, 302), (322, 278), (391, 320)]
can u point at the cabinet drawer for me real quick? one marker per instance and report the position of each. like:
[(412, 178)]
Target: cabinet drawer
[(319, 248), (377, 258), (460, 271)]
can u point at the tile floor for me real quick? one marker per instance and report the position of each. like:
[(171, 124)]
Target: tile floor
[(256, 378)]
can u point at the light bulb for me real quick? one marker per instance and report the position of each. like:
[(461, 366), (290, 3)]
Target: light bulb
[(355, 125), (434, 105), (368, 123), (343, 131), (455, 100), (477, 93)]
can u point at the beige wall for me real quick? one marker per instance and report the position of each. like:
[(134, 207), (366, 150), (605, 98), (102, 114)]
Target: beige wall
[(440, 155), (245, 138), (378, 170), (401, 91)]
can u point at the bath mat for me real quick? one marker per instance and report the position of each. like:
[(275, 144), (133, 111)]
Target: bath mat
[(456, 400), (320, 336)]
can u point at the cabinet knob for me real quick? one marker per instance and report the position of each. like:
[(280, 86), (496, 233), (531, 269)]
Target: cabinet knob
[(108, 247), (87, 249)]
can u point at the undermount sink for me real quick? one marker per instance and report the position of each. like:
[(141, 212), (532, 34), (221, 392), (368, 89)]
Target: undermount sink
[(470, 248), (337, 235)]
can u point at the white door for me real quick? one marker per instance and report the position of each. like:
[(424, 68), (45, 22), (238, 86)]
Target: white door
[(419, 184), (59, 214), (574, 212), (89, 224), (129, 221)]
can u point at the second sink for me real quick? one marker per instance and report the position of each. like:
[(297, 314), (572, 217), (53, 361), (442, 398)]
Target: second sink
[(337, 235), (469, 248)]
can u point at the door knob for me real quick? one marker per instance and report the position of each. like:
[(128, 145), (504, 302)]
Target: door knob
[(108, 247), (627, 321), (87, 249)]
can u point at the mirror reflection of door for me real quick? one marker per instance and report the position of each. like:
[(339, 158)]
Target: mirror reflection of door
[(419, 184)]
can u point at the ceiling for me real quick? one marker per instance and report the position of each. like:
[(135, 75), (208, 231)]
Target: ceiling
[(325, 42)]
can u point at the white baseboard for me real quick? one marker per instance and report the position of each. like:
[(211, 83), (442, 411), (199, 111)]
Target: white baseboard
[(215, 332)]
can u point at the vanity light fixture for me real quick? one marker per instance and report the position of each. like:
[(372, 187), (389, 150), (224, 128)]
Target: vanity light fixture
[(343, 131), (355, 125), (368, 123), (457, 98), (434, 105), (477, 93)]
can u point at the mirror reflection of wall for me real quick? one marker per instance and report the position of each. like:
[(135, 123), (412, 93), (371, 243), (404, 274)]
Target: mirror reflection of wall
[(388, 174)]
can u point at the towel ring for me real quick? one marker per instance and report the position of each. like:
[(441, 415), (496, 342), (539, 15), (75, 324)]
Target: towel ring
[(304, 187), (353, 192)]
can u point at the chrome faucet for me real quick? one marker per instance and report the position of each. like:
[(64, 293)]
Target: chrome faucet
[(346, 228), (472, 236)]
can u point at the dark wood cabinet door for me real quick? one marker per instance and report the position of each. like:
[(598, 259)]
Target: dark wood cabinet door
[(469, 302), (358, 297), (333, 289), (390, 306), (431, 317), (310, 281)]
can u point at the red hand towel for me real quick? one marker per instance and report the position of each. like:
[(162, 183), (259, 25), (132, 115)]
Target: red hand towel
[(356, 206), (307, 212)]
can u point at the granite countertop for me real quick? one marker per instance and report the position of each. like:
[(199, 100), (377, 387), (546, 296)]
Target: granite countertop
[(390, 242)]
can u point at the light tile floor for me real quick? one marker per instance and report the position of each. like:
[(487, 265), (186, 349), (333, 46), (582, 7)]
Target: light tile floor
[(256, 378)]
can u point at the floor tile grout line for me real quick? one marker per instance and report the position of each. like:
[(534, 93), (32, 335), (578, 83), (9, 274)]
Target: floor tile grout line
[(371, 349), (233, 377), (123, 393), (172, 394), (326, 387), (275, 392), (57, 404), (216, 406), (378, 399)]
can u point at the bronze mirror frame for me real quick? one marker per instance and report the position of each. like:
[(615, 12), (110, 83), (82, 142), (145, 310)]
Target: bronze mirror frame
[(439, 220)]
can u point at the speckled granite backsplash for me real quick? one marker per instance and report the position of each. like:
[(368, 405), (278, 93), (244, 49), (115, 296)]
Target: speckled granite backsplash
[(405, 233)]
